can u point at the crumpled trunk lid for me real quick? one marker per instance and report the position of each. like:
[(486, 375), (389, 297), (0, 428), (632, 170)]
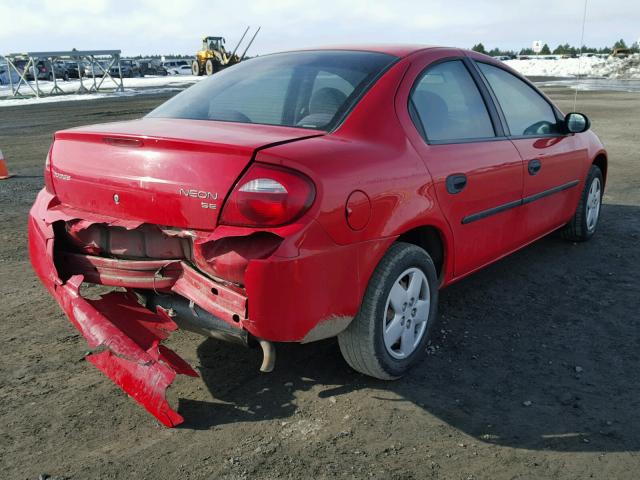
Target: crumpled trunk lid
[(162, 171)]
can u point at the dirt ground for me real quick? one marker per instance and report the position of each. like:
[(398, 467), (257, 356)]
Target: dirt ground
[(535, 372)]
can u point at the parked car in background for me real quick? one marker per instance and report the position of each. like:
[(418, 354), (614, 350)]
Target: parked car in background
[(74, 69), (129, 69), (20, 64), (98, 68), (171, 64), (46, 71), (305, 195), (181, 70), (152, 67), (5, 71)]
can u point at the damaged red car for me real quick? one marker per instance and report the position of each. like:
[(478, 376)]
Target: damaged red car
[(305, 195)]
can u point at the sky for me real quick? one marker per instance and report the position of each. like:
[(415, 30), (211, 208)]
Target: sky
[(177, 26)]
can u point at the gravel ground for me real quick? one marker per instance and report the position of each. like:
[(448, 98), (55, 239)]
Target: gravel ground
[(533, 374)]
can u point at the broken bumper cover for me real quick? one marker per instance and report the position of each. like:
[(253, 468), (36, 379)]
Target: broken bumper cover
[(124, 336), (299, 297)]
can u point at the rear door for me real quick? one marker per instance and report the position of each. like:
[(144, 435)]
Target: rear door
[(552, 160), (477, 172)]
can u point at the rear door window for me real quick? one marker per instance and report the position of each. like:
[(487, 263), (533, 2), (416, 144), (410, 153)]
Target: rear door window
[(449, 105)]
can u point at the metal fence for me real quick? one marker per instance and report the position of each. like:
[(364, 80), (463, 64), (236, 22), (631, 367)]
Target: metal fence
[(101, 62)]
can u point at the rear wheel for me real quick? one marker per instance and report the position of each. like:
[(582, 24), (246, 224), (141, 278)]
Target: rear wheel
[(585, 221), (389, 333)]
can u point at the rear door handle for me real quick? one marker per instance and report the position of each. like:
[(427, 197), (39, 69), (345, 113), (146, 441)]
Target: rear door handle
[(534, 166), (456, 183)]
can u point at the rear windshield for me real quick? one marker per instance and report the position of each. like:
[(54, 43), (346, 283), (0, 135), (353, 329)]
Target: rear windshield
[(300, 89)]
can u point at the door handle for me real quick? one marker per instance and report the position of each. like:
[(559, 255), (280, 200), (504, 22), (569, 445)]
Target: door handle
[(456, 183), (534, 166)]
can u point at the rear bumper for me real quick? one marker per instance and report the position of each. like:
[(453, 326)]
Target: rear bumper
[(160, 275), (309, 289), (124, 336), (308, 281)]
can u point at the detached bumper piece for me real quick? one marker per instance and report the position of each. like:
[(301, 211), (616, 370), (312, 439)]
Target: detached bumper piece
[(126, 337)]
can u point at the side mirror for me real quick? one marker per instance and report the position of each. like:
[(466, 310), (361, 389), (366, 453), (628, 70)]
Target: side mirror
[(576, 122)]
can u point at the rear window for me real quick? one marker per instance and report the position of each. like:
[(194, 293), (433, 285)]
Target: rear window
[(300, 89)]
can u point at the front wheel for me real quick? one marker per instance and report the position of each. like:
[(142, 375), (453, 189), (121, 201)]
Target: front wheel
[(389, 334), (585, 220), (195, 68)]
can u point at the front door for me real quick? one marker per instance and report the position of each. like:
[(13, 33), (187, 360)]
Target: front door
[(552, 160)]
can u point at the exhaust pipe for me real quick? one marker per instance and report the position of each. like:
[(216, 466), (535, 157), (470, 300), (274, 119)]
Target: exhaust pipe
[(268, 356), (190, 316)]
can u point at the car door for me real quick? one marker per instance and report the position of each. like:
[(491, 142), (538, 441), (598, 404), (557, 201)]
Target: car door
[(476, 170), (552, 160)]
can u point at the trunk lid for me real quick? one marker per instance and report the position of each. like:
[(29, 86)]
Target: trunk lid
[(161, 171)]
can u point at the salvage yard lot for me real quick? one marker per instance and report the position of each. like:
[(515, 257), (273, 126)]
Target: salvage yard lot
[(534, 372)]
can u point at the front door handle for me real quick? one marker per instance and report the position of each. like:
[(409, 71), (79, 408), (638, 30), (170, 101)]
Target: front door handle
[(456, 183), (534, 166)]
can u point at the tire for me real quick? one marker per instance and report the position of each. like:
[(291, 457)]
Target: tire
[(584, 223), (209, 67), (195, 68), (51, 77), (363, 343)]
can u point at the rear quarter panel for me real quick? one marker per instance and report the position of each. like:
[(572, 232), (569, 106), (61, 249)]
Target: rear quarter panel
[(370, 153)]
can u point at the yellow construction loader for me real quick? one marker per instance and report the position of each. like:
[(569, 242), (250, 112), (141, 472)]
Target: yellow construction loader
[(214, 56)]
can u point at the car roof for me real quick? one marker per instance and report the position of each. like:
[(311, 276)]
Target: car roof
[(397, 50)]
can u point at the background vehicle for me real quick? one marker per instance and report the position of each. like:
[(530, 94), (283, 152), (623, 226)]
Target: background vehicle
[(169, 64), (45, 71), (98, 68), (152, 67), (621, 52), (74, 69), (5, 71), (214, 56), (129, 69), (180, 70)]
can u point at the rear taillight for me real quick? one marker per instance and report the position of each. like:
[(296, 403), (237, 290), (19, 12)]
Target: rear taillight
[(48, 178), (268, 196)]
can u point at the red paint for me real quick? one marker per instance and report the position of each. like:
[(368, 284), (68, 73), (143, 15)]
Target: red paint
[(354, 192)]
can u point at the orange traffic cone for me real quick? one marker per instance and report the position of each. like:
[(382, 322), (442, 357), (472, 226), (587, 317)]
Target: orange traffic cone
[(4, 173)]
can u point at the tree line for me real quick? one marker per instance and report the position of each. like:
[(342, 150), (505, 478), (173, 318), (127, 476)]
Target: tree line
[(565, 49)]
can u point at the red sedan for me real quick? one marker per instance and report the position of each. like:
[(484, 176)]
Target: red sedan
[(305, 195)]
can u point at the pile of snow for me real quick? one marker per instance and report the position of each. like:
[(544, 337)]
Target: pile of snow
[(595, 84), (132, 86), (593, 67)]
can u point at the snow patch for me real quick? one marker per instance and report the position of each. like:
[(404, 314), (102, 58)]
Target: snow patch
[(132, 87), (592, 67)]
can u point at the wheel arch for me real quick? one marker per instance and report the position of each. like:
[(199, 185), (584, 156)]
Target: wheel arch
[(602, 163), (434, 241)]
